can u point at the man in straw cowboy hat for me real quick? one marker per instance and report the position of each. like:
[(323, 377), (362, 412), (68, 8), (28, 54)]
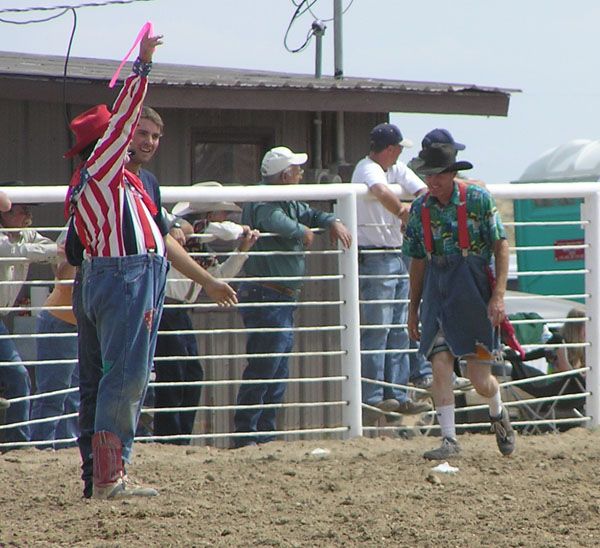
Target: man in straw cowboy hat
[(119, 241), (452, 233), (210, 223)]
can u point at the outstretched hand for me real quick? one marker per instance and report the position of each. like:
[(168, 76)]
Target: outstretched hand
[(148, 45), (220, 292)]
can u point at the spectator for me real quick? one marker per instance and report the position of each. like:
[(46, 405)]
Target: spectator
[(441, 136), (57, 376), (565, 359), (452, 233), (143, 147), (5, 205), (291, 221), (384, 277), (31, 246), (119, 290), (180, 291)]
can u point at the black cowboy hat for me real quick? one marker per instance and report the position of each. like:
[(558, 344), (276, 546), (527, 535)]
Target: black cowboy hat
[(437, 158)]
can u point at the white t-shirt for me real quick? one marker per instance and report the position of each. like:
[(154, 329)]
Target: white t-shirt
[(378, 227)]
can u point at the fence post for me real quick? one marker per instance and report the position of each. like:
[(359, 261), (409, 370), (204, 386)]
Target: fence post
[(590, 212), (350, 317)]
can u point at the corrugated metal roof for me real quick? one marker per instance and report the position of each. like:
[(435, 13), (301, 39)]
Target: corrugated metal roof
[(19, 65)]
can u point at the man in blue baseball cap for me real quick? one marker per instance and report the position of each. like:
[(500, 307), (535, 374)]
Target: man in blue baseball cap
[(384, 280), (441, 136)]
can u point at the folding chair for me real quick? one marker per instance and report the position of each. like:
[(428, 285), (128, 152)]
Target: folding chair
[(540, 386)]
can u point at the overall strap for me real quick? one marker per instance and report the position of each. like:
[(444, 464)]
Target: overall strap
[(426, 224), (463, 231), (461, 213)]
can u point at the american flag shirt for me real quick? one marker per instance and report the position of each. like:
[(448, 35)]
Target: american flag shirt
[(112, 213)]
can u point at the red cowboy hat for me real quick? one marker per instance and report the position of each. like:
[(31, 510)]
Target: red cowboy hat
[(88, 127)]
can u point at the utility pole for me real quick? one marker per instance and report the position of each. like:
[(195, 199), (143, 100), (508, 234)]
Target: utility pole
[(338, 52), (318, 28), (338, 75)]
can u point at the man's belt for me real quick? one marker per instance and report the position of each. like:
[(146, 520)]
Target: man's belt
[(171, 300), (288, 291), (375, 248)]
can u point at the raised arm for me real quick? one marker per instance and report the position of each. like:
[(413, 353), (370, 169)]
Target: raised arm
[(111, 150)]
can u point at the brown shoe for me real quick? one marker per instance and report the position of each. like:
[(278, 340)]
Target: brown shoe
[(388, 406), (410, 407), (505, 435)]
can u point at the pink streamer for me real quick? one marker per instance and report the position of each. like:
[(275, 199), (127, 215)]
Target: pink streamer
[(146, 29)]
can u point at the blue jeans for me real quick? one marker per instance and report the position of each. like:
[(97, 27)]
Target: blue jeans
[(118, 304), (419, 365), (49, 378), (391, 367), (276, 367), (15, 383)]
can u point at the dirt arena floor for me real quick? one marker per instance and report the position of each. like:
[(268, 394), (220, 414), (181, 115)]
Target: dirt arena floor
[(365, 492)]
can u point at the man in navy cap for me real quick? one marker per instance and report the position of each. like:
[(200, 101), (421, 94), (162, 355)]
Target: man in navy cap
[(384, 276), (441, 136)]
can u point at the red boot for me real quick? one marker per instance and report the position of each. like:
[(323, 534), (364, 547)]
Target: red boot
[(109, 479)]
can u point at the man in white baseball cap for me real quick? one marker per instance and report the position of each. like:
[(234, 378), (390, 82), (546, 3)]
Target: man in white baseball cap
[(271, 326), (280, 158)]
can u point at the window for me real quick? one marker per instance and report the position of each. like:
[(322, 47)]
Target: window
[(230, 157)]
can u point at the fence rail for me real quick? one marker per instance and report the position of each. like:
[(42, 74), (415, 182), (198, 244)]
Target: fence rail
[(324, 390)]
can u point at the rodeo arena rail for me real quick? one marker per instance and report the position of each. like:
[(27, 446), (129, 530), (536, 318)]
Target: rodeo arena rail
[(323, 396)]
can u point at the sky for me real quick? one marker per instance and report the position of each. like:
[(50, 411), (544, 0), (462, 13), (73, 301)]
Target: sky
[(546, 48)]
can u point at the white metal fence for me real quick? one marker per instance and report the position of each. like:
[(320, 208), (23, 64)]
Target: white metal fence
[(324, 390)]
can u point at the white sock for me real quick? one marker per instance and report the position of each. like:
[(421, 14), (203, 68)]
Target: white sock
[(445, 416), (495, 403)]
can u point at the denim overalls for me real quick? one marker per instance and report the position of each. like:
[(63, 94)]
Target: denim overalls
[(456, 291)]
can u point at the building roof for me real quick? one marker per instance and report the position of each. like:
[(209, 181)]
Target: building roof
[(187, 86)]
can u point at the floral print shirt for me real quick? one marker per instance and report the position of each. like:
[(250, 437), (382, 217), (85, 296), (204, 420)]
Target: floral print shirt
[(483, 222)]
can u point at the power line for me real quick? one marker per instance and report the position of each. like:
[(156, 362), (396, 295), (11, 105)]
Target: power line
[(302, 7), (309, 9), (44, 20), (64, 7)]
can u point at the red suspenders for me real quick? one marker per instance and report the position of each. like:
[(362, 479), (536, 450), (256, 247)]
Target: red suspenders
[(461, 213), (506, 329)]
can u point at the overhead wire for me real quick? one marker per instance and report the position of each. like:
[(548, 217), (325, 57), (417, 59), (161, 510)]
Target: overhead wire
[(67, 112), (44, 20), (65, 9), (302, 7), (330, 18), (68, 7)]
